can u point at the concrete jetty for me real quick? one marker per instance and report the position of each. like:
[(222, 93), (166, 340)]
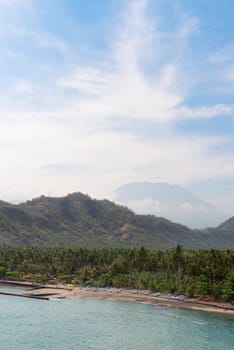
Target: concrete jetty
[(25, 296)]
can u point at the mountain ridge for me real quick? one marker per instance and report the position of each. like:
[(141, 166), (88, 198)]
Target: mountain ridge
[(77, 219)]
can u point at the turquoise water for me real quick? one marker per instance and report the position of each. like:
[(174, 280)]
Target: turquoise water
[(10, 289), (88, 323)]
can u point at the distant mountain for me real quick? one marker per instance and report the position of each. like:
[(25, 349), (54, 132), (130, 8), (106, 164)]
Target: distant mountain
[(80, 220), (170, 201)]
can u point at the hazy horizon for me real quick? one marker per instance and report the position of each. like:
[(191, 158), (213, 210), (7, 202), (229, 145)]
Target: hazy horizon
[(172, 202), (95, 95)]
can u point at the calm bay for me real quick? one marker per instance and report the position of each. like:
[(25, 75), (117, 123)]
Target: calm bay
[(89, 323)]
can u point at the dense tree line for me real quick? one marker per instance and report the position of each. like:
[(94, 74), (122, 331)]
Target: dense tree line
[(204, 272)]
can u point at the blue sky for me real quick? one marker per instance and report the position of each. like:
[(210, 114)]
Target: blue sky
[(95, 94)]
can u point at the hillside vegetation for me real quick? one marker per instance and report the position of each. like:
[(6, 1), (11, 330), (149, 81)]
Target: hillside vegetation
[(78, 220)]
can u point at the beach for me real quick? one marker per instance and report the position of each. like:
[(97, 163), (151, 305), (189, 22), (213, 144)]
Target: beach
[(119, 294), (136, 296)]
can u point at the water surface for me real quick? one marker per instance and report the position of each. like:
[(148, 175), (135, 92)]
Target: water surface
[(88, 323)]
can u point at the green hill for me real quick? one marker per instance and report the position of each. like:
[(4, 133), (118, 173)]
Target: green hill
[(78, 220)]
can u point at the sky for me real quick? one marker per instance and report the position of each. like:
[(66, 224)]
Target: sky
[(97, 94)]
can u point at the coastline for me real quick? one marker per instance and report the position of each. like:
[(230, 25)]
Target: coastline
[(128, 296), (67, 291)]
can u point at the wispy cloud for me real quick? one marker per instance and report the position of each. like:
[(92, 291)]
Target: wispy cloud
[(48, 41), (60, 133), (206, 111), (9, 3), (122, 89), (225, 54), (23, 87)]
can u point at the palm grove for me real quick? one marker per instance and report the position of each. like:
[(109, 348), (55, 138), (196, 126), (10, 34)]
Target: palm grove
[(201, 272)]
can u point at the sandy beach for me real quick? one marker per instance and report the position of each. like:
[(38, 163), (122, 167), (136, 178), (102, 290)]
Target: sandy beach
[(139, 296)]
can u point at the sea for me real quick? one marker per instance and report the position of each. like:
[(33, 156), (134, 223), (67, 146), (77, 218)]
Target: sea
[(104, 324)]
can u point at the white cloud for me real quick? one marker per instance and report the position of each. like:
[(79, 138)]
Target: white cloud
[(67, 124), (224, 59), (229, 73), (186, 213), (11, 5), (205, 111), (23, 87), (189, 26), (52, 157), (9, 2), (12, 18), (225, 54), (120, 88), (49, 41), (88, 80)]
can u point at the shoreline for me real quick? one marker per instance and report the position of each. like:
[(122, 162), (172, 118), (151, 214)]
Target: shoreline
[(66, 291), (128, 296)]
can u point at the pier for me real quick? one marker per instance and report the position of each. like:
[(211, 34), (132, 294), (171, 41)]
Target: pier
[(25, 296), (19, 284)]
